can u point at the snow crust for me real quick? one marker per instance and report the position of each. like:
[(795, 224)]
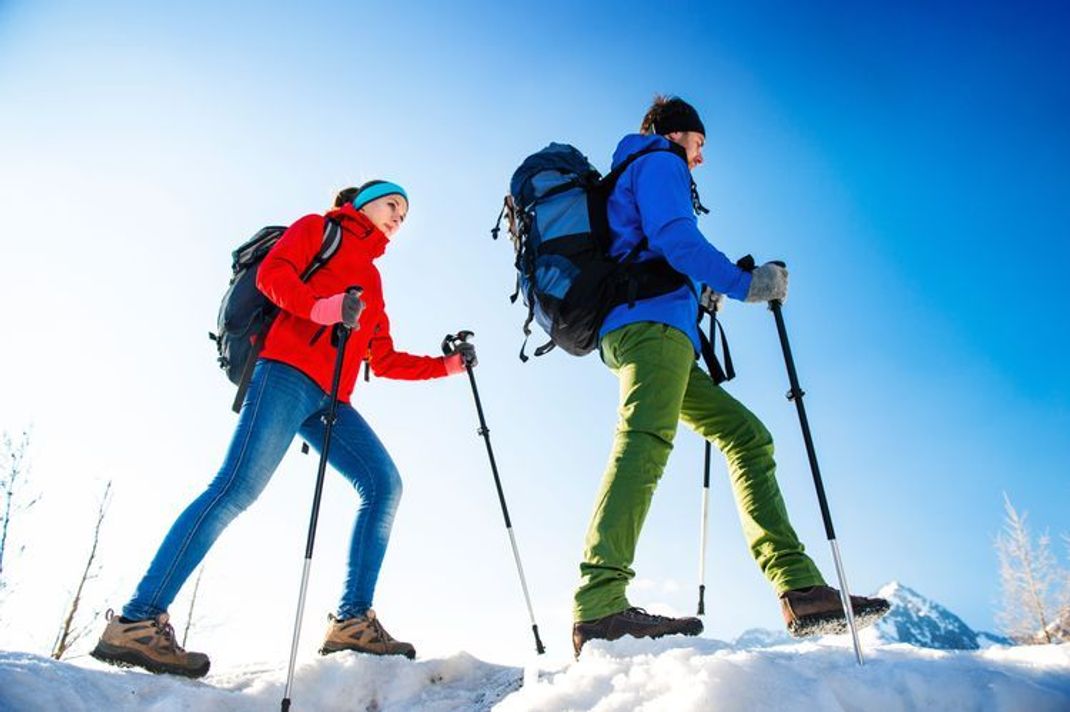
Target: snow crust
[(689, 676), (680, 674), (341, 682)]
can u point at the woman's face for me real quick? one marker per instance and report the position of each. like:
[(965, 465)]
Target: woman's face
[(387, 213)]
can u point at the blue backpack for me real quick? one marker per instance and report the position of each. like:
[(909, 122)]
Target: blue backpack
[(558, 223)]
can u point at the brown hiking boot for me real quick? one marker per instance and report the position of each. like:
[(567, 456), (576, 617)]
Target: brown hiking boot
[(365, 634), (819, 611), (634, 622), (148, 644)]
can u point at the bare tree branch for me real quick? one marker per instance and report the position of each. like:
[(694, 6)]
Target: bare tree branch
[(13, 467), (69, 634)]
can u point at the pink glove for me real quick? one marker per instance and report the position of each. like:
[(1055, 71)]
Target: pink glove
[(454, 363), (343, 307)]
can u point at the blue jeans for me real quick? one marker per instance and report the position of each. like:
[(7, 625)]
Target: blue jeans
[(280, 403)]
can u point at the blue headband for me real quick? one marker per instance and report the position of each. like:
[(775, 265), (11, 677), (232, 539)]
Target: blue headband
[(377, 189)]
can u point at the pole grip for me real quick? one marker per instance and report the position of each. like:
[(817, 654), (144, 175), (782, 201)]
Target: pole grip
[(450, 341)]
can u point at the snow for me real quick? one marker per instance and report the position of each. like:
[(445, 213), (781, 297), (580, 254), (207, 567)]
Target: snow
[(343, 681), (761, 638), (697, 675), (680, 674)]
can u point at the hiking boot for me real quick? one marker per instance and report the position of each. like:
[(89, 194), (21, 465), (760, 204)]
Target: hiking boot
[(819, 611), (148, 644), (635, 622), (365, 634)]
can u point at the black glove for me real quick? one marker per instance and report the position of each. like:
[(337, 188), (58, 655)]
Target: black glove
[(467, 352), (352, 306)]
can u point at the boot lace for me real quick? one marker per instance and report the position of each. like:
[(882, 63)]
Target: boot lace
[(167, 633), (379, 634), (642, 615)]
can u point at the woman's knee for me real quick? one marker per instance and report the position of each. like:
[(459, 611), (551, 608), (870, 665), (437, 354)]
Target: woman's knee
[(232, 492), (395, 486), (379, 487), (391, 482)]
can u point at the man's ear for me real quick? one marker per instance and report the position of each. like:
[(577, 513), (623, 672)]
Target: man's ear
[(674, 136)]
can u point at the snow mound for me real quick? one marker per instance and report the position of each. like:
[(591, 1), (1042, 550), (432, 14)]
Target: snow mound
[(341, 682), (679, 674), (761, 638), (693, 675)]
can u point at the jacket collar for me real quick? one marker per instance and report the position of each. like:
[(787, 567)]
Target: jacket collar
[(633, 143), (371, 239)]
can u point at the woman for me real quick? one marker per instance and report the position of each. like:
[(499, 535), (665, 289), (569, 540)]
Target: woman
[(289, 394)]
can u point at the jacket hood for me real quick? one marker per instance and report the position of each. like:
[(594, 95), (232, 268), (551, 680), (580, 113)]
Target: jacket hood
[(359, 226), (637, 142)]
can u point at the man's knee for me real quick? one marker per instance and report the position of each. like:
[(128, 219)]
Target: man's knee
[(748, 438)]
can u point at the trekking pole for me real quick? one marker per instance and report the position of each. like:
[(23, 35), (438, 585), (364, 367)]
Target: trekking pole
[(796, 396), (448, 346), (342, 332), (705, 504)]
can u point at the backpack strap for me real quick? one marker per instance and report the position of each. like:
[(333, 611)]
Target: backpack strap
[(611, 178), (659, 276), (332, 240), (541, 350), (610, 181), (709, 355), (247, 370)]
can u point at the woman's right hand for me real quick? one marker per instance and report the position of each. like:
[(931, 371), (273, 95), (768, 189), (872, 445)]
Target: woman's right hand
[(344, 307)]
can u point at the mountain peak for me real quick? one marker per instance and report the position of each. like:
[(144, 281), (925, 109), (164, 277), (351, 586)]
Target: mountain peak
[(919, 620), (914, 619)]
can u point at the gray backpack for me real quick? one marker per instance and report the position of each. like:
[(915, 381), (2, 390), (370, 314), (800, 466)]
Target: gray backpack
[(245, 314)]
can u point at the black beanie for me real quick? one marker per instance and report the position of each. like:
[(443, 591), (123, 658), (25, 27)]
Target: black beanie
[(673, 115)]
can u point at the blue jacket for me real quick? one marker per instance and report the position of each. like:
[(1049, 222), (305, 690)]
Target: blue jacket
[(653, 198)]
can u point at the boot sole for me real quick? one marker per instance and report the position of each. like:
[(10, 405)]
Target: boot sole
[(327, 651), (690, 631), (125, 658), (834, 624)]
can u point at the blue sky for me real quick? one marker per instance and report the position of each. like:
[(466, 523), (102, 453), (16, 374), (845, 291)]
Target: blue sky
[(909, 163)]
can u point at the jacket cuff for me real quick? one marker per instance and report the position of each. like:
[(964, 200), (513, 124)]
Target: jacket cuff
[(454, 363)]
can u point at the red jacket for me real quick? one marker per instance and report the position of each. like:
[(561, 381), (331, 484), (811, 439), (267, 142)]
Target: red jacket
[(290, 338)]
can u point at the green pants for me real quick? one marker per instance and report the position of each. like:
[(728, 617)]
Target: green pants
[(660, 385)]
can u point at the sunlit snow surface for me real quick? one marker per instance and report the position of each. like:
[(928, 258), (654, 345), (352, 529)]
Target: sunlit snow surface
[(679, 674)]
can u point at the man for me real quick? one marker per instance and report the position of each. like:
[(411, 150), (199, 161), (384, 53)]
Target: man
[(651, 346)]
